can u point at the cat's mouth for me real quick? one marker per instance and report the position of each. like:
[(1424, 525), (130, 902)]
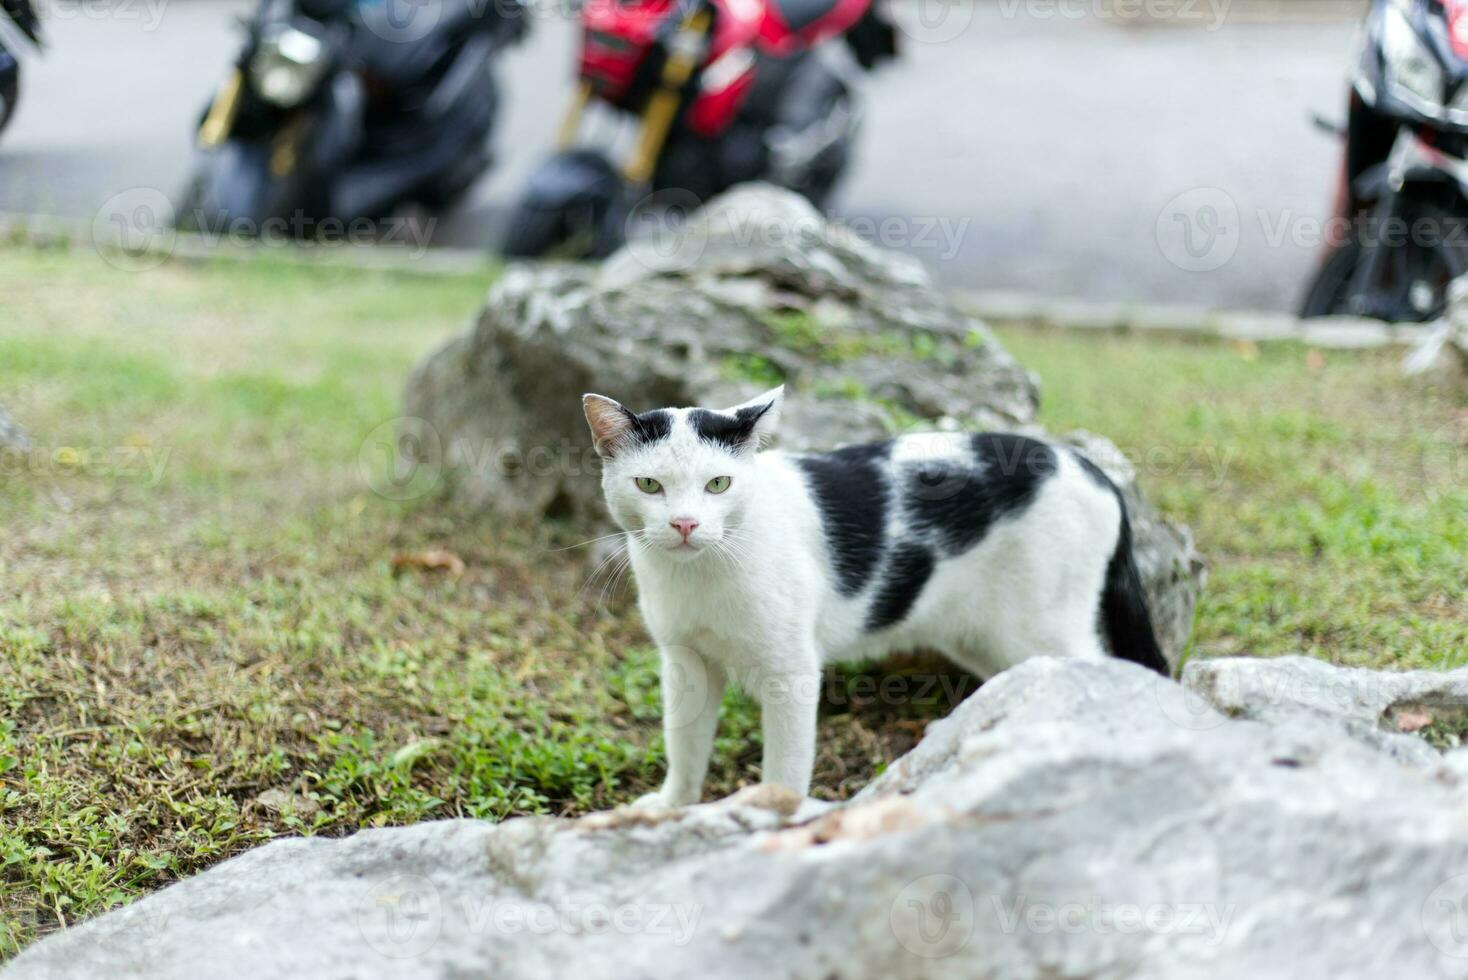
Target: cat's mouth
[(683, 549)]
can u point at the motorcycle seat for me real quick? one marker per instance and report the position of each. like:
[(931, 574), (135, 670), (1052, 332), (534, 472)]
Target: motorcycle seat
[(795, 23)]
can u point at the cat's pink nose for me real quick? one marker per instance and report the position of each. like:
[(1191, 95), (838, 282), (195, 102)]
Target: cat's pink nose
[(685, 525)]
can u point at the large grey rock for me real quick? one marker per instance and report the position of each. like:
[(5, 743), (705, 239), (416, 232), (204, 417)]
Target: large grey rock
[(1386, 710), (756, 287), (1069, 819), (12, 436)]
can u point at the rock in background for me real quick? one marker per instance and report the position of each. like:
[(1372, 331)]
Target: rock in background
[(1409, 715), (1067, 820), (756, 289)]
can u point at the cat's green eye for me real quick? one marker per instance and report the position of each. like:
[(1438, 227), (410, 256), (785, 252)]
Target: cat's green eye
[(648, 485), (718, 484)]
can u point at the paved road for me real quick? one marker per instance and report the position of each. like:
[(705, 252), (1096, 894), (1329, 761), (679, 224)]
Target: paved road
[(1017, 145)]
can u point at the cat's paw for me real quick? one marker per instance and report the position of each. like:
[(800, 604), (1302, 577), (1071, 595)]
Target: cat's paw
[(651, 801)]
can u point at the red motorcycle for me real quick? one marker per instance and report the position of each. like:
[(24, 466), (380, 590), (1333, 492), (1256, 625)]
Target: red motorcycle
[(724, 91)]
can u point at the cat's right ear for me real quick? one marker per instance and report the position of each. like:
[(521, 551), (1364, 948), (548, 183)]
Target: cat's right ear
[(609, 422)]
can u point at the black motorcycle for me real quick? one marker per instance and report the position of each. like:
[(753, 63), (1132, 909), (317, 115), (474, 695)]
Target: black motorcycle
[(338, 111), (1400, 230), (23, 16)]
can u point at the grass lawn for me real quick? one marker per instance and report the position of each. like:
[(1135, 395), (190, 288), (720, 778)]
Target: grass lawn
[(203, 642)]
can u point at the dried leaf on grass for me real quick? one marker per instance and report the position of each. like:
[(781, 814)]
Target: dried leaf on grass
[(435, 560)]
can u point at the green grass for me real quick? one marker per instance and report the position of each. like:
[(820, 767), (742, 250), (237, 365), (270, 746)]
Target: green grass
[(1329, 495), (203, 643)]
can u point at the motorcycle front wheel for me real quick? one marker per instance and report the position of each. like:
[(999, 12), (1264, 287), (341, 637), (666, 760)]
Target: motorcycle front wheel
[(1411, 278), (9, 91)]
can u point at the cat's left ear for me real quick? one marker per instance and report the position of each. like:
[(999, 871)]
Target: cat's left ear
[(760, 416)]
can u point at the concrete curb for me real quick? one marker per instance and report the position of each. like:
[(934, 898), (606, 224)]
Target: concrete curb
[(1015, 309)]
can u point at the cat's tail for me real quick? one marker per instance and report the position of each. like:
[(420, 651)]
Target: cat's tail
[(1124, 615)]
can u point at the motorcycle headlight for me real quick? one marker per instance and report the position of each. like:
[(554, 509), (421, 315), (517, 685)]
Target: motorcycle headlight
[(287, 65), (1411, 69)]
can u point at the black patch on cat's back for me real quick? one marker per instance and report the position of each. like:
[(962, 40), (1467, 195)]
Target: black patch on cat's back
[(729, 431), (1096, 473), (851, 489), (957, 502), (907, 571)]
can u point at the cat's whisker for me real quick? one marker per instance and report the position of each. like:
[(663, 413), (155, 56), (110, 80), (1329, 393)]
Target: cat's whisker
[(590, 541), (609, 562), (619, 572)]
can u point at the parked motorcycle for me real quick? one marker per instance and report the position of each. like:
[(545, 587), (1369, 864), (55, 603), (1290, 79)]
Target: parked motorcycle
[(725, 91), (342, 110), (23, 16), (1400, 233)]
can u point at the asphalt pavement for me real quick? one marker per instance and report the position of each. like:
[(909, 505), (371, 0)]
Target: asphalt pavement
[(1062, 146)]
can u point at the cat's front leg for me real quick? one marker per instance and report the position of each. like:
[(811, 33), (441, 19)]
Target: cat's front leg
[(693, 689), (788, 716)]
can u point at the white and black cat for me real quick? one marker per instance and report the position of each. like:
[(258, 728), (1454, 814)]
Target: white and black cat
[(759, 567)]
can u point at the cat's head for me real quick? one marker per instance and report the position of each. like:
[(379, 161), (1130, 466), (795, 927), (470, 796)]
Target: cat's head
[(678, 479)]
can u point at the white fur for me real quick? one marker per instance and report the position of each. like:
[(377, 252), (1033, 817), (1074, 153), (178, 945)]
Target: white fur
[(757, 601)]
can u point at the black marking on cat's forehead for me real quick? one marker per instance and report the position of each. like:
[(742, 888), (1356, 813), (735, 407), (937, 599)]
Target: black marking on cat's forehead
[(730, 431), (851, 487), (649, 427)]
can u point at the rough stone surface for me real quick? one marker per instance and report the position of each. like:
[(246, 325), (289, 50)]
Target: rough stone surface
[(12, 436), (704, 317), (1069, 819), (1379, 708)]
